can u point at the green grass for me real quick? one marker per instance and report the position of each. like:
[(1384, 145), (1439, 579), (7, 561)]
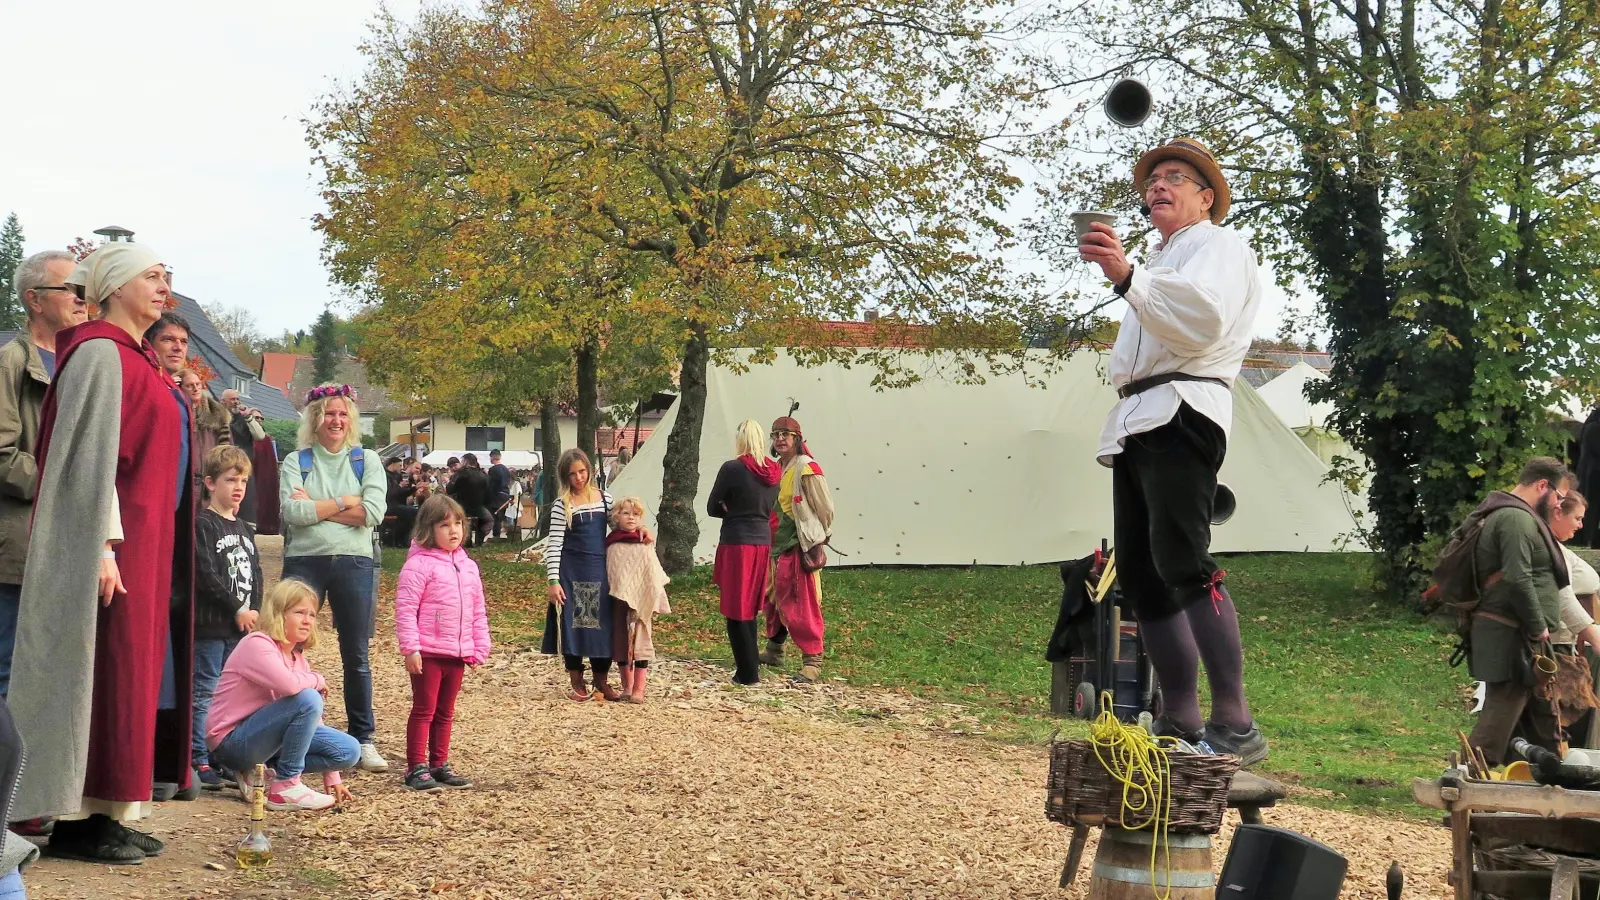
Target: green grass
[(1354, 695)]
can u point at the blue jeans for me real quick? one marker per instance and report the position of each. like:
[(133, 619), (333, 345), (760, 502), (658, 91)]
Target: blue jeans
[(10, 602), (288, 735), (349, 585), (209, 655), (11, 886)]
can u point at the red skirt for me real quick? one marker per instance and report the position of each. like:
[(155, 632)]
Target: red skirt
[(740, 573)]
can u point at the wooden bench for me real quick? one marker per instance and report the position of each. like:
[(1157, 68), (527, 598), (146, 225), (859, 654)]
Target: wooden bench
[(1248, 793)]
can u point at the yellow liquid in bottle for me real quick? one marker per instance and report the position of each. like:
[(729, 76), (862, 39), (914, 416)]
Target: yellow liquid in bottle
[(255, 851), (252, 859)]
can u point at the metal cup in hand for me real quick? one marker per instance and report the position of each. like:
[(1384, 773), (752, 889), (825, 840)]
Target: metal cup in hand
[(1081, 222)]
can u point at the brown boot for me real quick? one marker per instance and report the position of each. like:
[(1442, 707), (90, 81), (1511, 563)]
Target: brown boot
[(773, 655), (810, 668)]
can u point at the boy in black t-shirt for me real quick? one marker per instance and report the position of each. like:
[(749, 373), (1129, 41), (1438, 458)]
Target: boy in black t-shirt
[(227, 591)]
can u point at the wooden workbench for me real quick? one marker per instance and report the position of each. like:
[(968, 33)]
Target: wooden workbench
[(1559, 820)]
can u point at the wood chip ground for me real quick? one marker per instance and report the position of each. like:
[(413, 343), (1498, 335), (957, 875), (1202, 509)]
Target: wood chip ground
[(709, 791)]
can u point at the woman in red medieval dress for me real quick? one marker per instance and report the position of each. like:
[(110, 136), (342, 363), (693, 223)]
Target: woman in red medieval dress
[(102, 673)]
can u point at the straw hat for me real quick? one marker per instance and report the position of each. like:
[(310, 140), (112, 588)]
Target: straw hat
[(1195, 154)]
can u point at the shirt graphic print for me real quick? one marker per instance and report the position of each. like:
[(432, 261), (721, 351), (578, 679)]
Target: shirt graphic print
[(239, 551)]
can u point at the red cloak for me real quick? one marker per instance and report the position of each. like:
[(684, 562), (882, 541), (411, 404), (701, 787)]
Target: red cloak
[(131, 743)]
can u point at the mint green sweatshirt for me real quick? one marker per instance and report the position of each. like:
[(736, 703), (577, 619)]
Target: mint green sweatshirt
[(331, 476)]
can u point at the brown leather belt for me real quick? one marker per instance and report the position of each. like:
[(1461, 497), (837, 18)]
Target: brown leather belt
[(1493, 579), (1141, 385), (1480, 614)]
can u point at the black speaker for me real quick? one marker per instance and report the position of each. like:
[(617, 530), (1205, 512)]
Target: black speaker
[(1267, 863)]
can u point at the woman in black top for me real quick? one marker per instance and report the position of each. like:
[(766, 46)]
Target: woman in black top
[(742, 497)]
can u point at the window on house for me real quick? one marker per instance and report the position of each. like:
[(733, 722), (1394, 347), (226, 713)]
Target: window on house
[(242, 385), (485, 437), (538, 439)]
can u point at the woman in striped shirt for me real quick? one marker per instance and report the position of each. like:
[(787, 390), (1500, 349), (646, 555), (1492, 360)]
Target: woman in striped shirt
[(580, 618)]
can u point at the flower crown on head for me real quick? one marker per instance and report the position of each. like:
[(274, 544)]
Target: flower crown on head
[(330, 390)]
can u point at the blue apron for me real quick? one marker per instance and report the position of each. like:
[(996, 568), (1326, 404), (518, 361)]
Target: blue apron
[(586, 616)]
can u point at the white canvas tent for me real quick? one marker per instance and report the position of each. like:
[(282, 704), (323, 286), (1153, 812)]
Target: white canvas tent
[(1286, 396), (1001, 473)]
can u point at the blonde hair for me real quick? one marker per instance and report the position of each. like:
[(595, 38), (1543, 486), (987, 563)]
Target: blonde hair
[(750, 439), (437, 508), (633, 503), (284, 596), (226, 458), (311, 422), (564, 467)]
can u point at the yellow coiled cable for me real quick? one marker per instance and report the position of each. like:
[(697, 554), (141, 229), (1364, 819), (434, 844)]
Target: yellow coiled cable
[(1141, 764)]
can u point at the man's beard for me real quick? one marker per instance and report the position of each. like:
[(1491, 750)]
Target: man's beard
[(1542, 508)]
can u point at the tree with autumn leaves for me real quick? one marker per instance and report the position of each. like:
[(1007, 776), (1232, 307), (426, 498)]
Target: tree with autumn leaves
[(523, 185), (1432, 171)]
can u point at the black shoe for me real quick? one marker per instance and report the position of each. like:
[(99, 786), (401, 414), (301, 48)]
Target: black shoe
[(1250, 746), (1165, 727), (449, 779), (145, 843), (418, 778), (96, 839), (213, 780)]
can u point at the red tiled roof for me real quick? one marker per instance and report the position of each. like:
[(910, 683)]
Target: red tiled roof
[(277, 369), (875, 334)]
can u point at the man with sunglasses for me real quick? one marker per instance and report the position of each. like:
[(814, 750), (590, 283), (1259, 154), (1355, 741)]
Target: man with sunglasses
[(1191, 314), (1522, 571), (27, 364)]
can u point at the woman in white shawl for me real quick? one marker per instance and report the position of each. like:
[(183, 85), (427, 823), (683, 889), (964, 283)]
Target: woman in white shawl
[(1578, 629)]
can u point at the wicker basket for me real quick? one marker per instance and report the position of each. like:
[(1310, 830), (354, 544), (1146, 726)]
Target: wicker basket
[(1522, 858), (1082, 792)]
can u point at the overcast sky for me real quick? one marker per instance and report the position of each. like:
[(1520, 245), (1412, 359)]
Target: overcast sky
[(183, 121)]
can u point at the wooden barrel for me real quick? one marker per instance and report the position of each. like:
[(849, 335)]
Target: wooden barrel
[(1122, 867)]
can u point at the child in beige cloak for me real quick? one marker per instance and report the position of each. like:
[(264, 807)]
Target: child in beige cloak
[(639, 586)]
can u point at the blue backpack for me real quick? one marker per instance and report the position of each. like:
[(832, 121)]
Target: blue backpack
[(358, 464)]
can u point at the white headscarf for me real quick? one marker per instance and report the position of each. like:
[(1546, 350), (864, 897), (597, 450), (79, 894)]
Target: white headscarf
[(111, 267)]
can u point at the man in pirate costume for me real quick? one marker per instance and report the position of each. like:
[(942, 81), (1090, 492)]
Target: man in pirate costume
[(1191, 315), (802, 524)]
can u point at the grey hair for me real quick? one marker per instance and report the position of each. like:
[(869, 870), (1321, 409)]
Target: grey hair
[(31, 273)]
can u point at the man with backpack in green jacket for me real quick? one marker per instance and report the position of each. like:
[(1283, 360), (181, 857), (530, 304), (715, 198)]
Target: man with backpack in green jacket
[(1520, 571)]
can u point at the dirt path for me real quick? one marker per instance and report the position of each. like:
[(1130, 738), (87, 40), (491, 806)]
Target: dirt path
[(710, 791)]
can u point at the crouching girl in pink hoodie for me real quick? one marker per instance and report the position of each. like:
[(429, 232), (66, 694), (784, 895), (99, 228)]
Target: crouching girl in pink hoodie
[(268, 707), (443, 627)]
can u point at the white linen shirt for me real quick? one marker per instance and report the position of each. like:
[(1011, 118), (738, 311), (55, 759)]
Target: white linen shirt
[(1193, 310)]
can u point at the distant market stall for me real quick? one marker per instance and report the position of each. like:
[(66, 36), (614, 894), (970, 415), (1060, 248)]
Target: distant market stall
[(515, 459)]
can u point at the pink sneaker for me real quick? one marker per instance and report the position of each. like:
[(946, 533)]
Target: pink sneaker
[(291, 795)]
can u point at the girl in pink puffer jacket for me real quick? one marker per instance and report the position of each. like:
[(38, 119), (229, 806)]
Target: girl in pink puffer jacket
[(443, 627)]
